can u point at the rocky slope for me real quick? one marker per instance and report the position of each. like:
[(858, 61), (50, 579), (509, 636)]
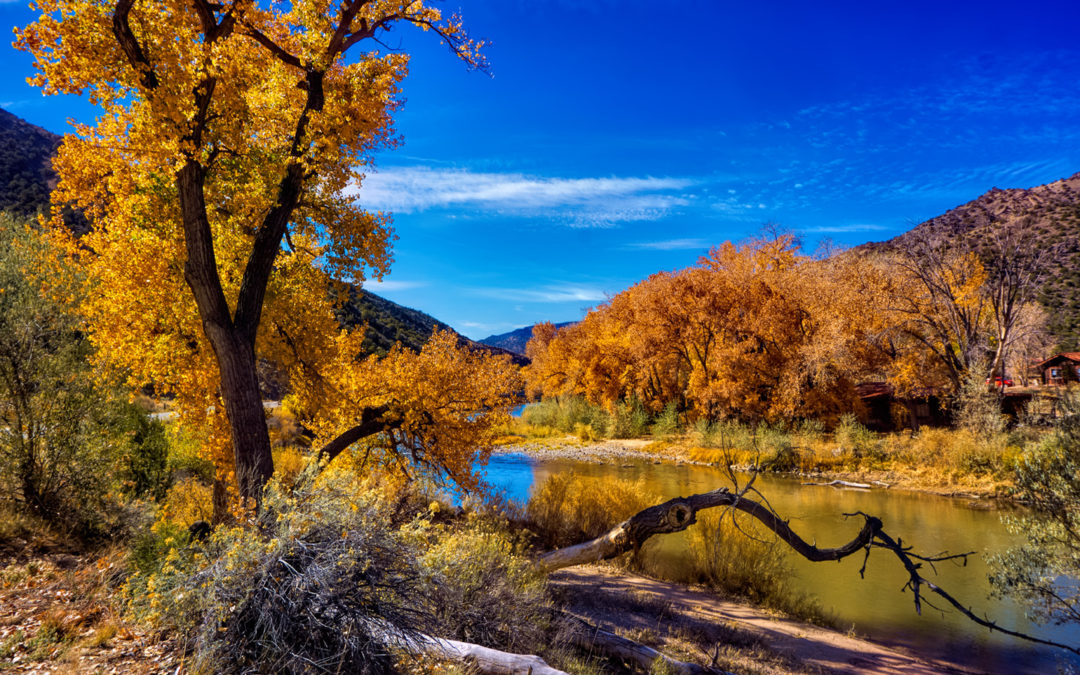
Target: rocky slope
[(1051, 213)]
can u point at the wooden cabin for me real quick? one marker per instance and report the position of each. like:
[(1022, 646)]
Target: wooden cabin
[(1060, 369), (887, 412)]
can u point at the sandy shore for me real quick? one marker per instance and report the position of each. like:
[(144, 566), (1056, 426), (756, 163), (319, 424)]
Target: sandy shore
[(670, 613), (603, 452)]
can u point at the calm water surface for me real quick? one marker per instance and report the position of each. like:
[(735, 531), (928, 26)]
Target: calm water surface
[(875, 606)]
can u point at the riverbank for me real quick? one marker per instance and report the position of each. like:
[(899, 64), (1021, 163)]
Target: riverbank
[(984, 487)]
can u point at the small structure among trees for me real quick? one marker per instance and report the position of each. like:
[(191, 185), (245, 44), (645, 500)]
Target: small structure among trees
[(1060, 369)]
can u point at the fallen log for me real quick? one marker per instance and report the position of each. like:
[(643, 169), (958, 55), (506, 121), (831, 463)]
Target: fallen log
[(482, 659), (487, 660), (841, 483), (680, 513), (592, 637)]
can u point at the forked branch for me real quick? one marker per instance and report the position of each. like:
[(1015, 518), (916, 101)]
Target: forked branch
[(680, 513)]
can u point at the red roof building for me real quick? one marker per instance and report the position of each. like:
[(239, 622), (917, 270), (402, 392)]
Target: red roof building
[(1060, 369)]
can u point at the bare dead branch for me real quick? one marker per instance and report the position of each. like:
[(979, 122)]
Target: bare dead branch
[(678, 514)]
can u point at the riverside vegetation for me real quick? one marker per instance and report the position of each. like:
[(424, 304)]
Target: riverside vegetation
[(359, 540), (966, 459), (217, 245)]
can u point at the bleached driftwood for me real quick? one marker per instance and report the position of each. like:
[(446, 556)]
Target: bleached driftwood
[(483, 659), (487, 660), (842, 483)]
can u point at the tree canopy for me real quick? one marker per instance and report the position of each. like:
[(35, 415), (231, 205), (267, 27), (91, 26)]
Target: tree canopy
[(217, 182), (762, 331)]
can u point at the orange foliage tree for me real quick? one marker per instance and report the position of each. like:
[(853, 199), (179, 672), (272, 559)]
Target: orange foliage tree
[(758, 331), (216, 185)]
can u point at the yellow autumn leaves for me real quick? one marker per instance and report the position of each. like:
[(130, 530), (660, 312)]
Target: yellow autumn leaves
[(760, 332), (247, 94)]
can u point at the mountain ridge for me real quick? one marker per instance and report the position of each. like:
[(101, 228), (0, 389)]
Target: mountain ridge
[(1052, 211), (515, 340), (26, 173)]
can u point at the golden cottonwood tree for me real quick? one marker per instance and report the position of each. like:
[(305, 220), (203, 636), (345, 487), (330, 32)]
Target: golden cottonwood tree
[(758, 331), (215, 184)]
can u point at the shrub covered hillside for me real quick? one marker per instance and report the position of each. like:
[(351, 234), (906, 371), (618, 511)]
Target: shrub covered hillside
[(1051, 213), (26, 174)]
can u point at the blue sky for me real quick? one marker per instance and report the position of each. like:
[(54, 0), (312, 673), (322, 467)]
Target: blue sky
[(616, 138)]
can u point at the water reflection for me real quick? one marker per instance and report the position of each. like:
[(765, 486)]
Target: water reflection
[(874, 605)]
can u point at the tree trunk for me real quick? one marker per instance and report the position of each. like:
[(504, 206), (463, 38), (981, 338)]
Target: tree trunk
[(253, 460), (234, 345)]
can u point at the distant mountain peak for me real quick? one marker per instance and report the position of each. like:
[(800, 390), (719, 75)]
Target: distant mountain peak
[(515, 340), (26, 173)]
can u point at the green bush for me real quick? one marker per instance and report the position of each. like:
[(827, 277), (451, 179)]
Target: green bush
[(568, 414), (977, 408), (810, 431), (1048, 480), (853, 437), (667, 422), (144, 468), (543, 413), (575, 410), (778, 451), (58, 431), (629, 419)]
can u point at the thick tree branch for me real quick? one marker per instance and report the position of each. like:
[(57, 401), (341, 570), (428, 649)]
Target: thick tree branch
[(916, 581), (200, 270), (371, 422), (130, 44), (275, 49), (264, 250)]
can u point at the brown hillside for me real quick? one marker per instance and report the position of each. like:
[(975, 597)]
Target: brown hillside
[(1053, 212)]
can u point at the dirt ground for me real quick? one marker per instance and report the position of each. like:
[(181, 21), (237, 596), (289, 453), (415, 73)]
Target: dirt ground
[(696, 625), (56, 617)]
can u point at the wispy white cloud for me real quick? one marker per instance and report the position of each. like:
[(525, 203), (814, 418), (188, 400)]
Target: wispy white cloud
[(576, 202), (840, 229), (548, 294), (391, 285), (669, 245), (489, 328)]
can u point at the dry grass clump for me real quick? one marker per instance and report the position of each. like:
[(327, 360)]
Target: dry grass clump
[(932, 456), (737, 556), (742, 560), (337, 576), (567, 509)]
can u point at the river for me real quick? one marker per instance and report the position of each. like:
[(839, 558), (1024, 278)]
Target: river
[(874, 606)]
